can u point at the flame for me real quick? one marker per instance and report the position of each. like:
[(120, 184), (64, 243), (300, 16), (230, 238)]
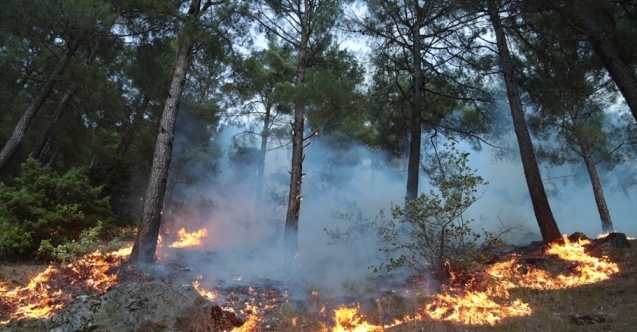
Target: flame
[(492, 303), (349, 319), (252, 321), (603, 235), (478, 308), (203, 292), (189, 239), (481, 308), (476, 303), (44, 296)]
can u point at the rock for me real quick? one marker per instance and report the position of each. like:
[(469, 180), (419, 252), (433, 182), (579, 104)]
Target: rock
[(611, 317), (600, 247), (151, 306), (616, 240), (575, 237)]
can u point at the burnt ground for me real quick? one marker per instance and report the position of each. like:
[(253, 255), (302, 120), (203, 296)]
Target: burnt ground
[(604, 306)]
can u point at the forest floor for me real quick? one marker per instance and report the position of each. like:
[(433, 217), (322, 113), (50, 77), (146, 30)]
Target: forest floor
[(571, 309), (610, 305)]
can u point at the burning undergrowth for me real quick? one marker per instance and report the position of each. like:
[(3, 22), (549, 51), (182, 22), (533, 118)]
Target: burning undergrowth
[(49, 291), (486, 297)]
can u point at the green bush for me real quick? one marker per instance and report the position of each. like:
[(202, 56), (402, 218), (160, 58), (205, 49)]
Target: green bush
[(114, 175), (430, 232), (46, 206), (88, 242)]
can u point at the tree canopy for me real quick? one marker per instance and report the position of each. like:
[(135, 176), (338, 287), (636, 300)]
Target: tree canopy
[(123, 105)]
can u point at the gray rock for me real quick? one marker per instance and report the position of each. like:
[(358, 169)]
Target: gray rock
[(611, 317), (152, 306)]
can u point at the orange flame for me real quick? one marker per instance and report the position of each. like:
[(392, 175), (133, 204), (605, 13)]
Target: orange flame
[(350, 320), (490, 306), (189, 239), (39, 299), (203, 292), (480, 308)]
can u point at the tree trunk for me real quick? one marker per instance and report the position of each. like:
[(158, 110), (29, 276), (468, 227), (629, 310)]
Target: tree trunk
[(604, 214), (148, 231), (12, 145), (413, 166), (258, 198), (548, 226), (291, 240), (598, 192), (128, 136), (624, 187), (45, 136), (170, 191), (54, 156), (604, 47)]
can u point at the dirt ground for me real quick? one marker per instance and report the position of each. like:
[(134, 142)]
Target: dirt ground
[(605, 306)]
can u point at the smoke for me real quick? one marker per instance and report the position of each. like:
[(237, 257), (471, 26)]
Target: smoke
[(347, 179)]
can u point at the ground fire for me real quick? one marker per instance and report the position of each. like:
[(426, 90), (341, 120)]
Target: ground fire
[(486, 300), (186, 239)]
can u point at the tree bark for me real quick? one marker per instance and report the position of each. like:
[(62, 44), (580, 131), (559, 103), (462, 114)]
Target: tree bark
[(291, 241), (45, 136), (543, 214), (604, 214), (413, 166), (258, 198), (171, 183), (598, 192), (148, 231), (129, 135), (14, 142), (604, 47)]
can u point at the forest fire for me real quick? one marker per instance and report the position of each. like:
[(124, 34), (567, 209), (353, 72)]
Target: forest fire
[(49, 291), (350, 320), (485, 302), (490, 306), (186, 239)]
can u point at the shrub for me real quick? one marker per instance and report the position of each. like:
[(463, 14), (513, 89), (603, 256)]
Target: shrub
[(46, 206), (114, 175), (88, 242), (430, 232)]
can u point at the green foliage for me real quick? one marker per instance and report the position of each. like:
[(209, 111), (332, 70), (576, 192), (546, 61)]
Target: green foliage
[(430, 231), (46, 206), (87, 243), (363, 232), (115, 176)]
